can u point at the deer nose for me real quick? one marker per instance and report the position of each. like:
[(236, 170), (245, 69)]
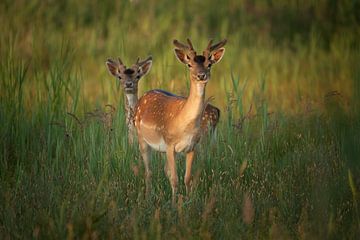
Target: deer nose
[(201, 76), (129, 84)]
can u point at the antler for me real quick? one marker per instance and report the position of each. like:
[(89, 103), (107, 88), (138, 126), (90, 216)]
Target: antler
[(190, 44), (138, 63), (210, 48), (189, 49), (117, 63), (121, 65)]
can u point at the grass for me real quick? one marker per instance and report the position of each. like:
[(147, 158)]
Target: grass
[(283, 164)]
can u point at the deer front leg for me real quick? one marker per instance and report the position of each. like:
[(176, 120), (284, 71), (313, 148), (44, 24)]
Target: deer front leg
[(131, 135), (131, 129), (189, 161), (145, 153), (166, 169), (171, 169)]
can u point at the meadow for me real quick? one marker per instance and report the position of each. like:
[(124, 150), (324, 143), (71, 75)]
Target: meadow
[(284, 162)]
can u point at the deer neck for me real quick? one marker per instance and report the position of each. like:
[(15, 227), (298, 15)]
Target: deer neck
[(131, 100), (194, 105)]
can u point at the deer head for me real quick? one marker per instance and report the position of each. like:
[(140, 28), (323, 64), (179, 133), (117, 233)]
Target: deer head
[(199, 65), (129, 77)]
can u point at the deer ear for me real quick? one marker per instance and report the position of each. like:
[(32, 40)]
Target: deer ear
[(181, 56), (217, 55), (145, 66), (113, 67)]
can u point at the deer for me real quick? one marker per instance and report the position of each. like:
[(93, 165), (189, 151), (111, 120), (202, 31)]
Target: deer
[(172, 124), (129, 79)]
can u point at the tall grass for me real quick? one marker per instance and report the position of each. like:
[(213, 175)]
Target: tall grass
[(283, 164)]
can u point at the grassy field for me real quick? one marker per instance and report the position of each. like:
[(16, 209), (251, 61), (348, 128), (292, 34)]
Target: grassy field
[(284, 164)]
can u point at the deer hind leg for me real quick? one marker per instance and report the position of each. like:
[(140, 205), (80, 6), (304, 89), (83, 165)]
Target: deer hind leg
[(189, 161), (171, 169), (145, 153)]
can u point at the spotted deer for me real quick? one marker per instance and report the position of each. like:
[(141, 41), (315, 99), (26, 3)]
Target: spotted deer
[(129, 79), (172, 124)]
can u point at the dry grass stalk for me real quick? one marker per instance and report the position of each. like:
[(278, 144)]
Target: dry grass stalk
[(243, 167), (248, 209)]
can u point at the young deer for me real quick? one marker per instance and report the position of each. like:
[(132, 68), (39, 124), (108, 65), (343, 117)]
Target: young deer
[(172, 124), (129, 78)]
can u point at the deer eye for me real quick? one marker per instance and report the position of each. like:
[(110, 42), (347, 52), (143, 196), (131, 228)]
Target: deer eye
[(189, 65), (138, 77), (209, 65)]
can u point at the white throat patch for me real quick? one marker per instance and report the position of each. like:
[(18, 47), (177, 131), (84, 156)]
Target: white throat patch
[(132, 100)]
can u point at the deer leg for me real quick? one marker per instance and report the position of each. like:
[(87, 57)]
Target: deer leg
[(171, 168), (189, 161), (166, 169), (131, 131), (145, 153), (131, 135)]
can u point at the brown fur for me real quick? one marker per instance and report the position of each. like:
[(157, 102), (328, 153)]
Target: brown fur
[(129, 78), (172, 124)]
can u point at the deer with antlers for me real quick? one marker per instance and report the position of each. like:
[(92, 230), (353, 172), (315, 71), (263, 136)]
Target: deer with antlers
[(172, 124), (129, 79)]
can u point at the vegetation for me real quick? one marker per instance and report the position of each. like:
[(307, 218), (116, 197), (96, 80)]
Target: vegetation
[(283, 164)]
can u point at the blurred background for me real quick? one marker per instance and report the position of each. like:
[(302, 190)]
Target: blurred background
[(289, 53), (284, 161)]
